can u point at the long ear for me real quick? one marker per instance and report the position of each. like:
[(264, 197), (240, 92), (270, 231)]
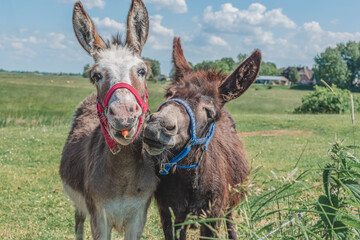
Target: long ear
[(181, 66), (85, 31), (241, 79), (137, 26)]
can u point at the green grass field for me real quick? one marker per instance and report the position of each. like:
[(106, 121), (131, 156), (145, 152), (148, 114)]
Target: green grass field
[(35, 117)]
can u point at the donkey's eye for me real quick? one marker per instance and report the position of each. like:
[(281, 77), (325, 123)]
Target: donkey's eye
[(142, 72), (209, 114), (96, 77)]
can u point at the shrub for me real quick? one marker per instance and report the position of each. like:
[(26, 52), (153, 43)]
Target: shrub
[(338, 205), (322, 100)]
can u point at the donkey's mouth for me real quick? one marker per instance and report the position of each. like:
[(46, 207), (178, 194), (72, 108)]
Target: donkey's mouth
[(153, 143), (156, 147), (119, 134)]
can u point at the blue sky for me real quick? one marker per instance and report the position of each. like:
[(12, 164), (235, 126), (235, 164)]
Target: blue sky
[(38, 34)]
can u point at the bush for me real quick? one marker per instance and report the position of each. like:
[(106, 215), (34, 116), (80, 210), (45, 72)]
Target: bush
[(322, 100)]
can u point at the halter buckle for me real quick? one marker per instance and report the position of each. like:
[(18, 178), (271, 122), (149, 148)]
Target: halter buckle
[(115, 150), (165, 168)]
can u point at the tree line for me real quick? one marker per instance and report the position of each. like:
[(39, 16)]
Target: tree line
[(339, 65)]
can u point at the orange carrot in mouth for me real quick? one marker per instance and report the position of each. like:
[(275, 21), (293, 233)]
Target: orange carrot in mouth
[(125, 133)]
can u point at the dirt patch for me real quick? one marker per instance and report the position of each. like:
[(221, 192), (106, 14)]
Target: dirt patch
[(273, 133)]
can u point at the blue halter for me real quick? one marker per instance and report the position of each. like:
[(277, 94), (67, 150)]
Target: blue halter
[(165, 167)]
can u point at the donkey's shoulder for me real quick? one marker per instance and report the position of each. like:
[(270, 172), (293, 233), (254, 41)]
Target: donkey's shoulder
[(85, 118)]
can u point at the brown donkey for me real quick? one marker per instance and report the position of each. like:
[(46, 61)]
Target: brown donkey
[(102, 168), (195, 106)]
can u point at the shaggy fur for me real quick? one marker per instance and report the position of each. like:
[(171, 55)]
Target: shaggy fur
[(212, 188), (115, 190)]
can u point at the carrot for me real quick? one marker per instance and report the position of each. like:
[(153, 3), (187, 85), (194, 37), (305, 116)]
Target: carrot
[(125, 133)]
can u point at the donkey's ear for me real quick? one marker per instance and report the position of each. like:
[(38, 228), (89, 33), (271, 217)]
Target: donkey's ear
[(137, 26), (85, 31), (241, 79), (181, 66)]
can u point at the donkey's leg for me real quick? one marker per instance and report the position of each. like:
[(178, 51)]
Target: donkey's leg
[(79, 224), (182, 233), (165, 217), (100, 228), (230, 227), (168, 227), (209, 229), (135, 226)]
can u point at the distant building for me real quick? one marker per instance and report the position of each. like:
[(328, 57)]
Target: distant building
[(356, 81), (274, 80), (307, 76)]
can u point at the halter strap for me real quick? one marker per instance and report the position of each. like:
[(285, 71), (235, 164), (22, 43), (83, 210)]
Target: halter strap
[(111, 142), (165, 167)]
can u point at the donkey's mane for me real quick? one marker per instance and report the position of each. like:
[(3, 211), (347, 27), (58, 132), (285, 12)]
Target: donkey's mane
[(115, 41), (197, 84)]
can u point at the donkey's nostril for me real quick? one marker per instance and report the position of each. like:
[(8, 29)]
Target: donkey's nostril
[(131, 109), (170, 127), (111, 112)]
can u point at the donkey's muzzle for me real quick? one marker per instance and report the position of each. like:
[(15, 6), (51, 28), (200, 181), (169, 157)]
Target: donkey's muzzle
[(123, 116), (155, 137)]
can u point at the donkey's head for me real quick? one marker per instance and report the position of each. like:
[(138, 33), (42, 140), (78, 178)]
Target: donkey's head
[(205, 92), (115, 63)]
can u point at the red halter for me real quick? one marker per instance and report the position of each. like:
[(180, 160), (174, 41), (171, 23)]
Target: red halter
[(111, 142)]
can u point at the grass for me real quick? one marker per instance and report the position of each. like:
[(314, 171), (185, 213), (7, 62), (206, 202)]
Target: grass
[(35, 117)]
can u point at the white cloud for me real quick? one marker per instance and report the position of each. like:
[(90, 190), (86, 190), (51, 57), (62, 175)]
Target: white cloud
[(32, 39), (335, 21), (25, 53), (109, 24), (89, 4), (56, 40), (156, 27), (94, 3), (317, 35), (160, 37), (215, 40), (300, 46), (312, 27), (176, 6), (275, 18), (11, 38), (17, 45), (232, 19)]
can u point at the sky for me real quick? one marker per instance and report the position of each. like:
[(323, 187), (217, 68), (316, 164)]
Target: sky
[(37, 35)]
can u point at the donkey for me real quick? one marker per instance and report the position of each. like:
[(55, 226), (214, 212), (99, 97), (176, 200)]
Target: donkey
[(195, 107), (102, 168)]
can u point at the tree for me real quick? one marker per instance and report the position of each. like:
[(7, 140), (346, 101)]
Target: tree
[(206, 65), (331, 67), (226, 65), (241, 57), (191, 65), (294, 76), (86, 71), (230, 63), (222, 66), (350, 52), (155, 67), (268, 69)]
